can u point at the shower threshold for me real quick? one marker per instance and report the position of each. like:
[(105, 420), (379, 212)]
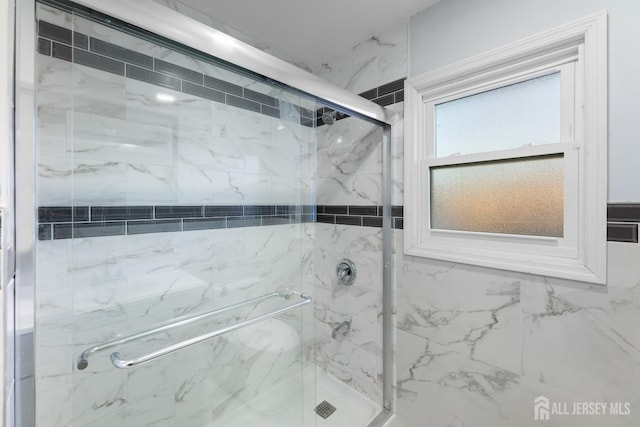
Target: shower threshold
[(270, 409)]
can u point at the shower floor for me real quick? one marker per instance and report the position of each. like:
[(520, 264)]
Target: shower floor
[(271, 409)]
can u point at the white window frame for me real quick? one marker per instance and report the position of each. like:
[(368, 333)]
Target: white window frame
[(578, 51)]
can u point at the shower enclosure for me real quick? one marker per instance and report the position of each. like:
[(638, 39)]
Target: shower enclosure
[(181, 212)]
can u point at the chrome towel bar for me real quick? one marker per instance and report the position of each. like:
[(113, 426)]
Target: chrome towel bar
[(83, 360)]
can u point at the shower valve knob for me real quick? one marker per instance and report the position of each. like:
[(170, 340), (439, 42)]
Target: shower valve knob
[(346, 272)]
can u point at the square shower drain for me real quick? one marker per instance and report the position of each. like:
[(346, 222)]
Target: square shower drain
[(324, 409)]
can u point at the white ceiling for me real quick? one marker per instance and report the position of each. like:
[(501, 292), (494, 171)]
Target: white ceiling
[(311, 31)]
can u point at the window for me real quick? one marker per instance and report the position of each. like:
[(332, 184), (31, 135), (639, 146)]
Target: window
[(505, 156)]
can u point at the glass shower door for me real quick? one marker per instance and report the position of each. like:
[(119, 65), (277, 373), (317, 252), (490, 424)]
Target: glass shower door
[(173, 195)]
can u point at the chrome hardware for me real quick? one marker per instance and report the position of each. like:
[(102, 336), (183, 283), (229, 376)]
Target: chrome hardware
[(83, 360), (341, 329), (346, 272)]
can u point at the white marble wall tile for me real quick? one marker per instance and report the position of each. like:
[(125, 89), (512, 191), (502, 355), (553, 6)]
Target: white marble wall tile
[(54, 181), (268, 160), (150, 184), (241, 125), (98, 260), (336, 70), (197, 252), (53, 15), (149, 411), (570, 341), (355, 76), (623, 268), (240, 279), (371, 63), (472, 311), (209, 150), (98, 137), (292, 191), (160, 295), (53, 353), (451, 390), (98, 182), (184, 112), (98, 396), (392, 55), (363, 75), (243, 188), (570, 334), (54, 303), (194, 186), (355, 358), (146, 254), (287, 132), (350, 146), (93, 260), (54, 370), (273, 241), (349, 163), (352, 189), (52, 265), (97, 92), (55, 407), (99, 303)]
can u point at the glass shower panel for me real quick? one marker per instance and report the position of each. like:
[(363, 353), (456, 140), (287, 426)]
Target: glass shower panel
[(168, 187)]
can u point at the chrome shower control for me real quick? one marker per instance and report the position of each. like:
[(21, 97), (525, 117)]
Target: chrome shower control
[(346, 272)]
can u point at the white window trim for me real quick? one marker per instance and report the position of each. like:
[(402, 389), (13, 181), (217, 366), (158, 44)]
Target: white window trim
[(585, 257)]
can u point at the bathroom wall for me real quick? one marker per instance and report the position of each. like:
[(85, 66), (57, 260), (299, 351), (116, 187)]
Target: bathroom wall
[(476, 346), (166, 186)]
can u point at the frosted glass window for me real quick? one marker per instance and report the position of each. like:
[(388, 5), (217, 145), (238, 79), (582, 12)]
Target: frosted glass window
[(516, 196), (509, 117)]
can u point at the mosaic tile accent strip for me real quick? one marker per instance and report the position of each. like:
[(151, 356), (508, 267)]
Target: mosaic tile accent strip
[(622, 222), (72, 46), (65, 222), (357, 215), (622, 232)]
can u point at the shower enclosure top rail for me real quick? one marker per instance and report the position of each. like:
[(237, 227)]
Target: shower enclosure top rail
[(83, 360), (158, 19)]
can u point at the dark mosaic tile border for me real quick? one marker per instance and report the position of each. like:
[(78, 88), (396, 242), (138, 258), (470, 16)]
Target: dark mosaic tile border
[(358, 215), (387, 94), (622, 222), (65, 222), (62, 43), (60, 222)]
